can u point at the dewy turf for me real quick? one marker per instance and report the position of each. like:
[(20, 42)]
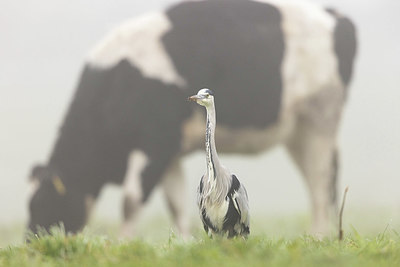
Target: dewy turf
[(59, 249)]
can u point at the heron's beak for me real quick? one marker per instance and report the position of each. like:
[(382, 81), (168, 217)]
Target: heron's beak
[(194, 98)]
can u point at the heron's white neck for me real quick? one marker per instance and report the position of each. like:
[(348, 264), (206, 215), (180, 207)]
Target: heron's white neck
[(213, 164)]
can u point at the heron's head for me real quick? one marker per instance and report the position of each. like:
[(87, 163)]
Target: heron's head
[(204, 97)]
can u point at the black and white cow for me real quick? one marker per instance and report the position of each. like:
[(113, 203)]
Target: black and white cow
[(279, 71)]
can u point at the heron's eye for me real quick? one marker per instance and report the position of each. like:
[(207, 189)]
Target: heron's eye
[(207, 95)]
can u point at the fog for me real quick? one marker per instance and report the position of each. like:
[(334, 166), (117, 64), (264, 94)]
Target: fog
[(42, 50)]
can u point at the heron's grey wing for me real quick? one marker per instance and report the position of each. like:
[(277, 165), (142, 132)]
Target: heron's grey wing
[(241, 203), (203, 216)]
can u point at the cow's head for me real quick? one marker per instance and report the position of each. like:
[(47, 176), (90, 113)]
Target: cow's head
[(52, 202)]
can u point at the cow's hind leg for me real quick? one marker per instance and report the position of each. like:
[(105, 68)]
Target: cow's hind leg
[(175, 194), (313, 148), (314, 154)]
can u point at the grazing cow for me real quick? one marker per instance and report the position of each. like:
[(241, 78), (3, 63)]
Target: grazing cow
[(279, 70)]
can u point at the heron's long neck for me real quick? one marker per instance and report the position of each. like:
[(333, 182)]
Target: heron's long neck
[(211, 151)]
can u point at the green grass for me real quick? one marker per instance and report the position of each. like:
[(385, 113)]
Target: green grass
[(88, 249), (274, 241)]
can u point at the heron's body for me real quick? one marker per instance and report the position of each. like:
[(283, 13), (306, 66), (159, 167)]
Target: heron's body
[(225, 217), (222, 199)]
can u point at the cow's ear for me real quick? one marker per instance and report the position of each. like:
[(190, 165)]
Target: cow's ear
[(38, 172)]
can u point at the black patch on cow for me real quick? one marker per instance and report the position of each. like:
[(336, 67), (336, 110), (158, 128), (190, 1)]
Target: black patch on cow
[(234, 48), (113, 112), (42, 173), (92, 148), (345, 43)]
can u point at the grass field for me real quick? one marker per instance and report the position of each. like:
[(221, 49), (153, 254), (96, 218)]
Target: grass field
[(88, 249), (371, 239)]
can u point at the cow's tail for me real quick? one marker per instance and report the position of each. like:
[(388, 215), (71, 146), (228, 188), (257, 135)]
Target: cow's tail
[(345, 42)]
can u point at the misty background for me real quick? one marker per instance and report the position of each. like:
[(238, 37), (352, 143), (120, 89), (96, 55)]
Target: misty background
[(43, 45)]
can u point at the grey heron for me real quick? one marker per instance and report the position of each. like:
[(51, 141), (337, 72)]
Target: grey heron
[(222, 199)]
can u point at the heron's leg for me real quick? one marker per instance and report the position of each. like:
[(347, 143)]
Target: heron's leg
[(313, 152), (133, 192), (175, 193)]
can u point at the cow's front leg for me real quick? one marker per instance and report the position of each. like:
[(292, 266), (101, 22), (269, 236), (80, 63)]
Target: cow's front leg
[(133, 192), (175, 194), (314, 153), (144, 174)]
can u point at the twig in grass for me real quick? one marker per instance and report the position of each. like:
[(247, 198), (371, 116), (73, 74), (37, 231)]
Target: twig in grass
[(341, 214)]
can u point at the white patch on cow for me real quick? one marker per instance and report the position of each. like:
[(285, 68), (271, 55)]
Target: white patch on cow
[(309, 63), (139, 41), (246, 140)]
